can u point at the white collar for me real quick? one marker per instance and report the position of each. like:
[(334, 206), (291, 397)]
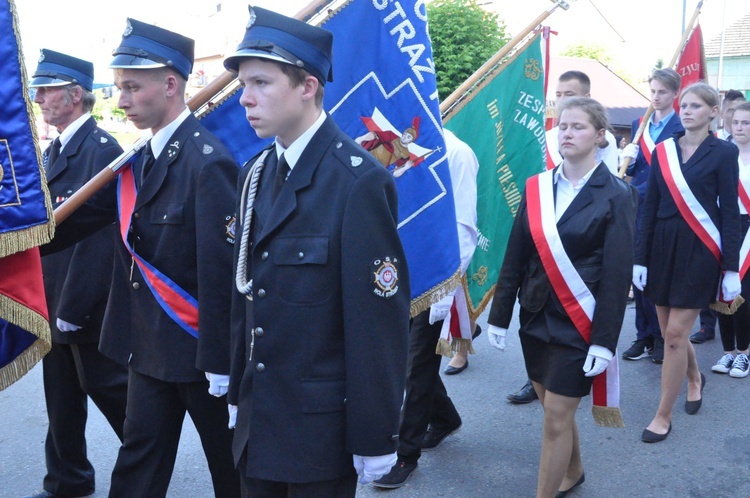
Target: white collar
[(159, 141), (72, 128), (296, 148)]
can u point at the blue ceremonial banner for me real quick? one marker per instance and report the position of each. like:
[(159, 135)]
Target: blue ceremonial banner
[(25, 217), (25, 210), (383, 95)]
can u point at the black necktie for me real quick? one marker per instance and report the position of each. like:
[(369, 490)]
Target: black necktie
[(147, 161), (52, 152), (282, 171)]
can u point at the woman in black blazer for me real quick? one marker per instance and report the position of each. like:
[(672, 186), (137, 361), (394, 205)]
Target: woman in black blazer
[(684, 245), (593, 213)]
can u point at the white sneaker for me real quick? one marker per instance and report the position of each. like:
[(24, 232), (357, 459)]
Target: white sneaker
[(724, 364), (740, 367)]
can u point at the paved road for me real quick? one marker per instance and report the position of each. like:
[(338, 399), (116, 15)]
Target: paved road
[(497, 451)]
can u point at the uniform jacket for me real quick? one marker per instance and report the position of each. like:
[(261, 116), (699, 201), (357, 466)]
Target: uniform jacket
[(639, 169), (183, 224), (712, 168), (77, 279), (327, 372), (597, 233)]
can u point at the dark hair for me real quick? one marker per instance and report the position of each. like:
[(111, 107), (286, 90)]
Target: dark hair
[(297, 77), (618, 139), (577, 75), (733, 95)]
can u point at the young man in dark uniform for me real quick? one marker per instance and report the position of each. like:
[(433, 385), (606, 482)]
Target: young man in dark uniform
[(321, 318), (168, 312), (76, 281)]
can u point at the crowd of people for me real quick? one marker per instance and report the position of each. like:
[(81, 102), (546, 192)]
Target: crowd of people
[(225, 292)]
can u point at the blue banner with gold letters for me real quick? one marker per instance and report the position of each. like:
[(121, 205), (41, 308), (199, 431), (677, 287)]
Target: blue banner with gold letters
[(383, 95), (25, 216), (25, 210)]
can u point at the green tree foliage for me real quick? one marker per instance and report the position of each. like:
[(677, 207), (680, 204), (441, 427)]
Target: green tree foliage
[(464, 36), (588, 51)]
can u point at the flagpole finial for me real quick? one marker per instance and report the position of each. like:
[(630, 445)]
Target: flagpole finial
[(562, 3)]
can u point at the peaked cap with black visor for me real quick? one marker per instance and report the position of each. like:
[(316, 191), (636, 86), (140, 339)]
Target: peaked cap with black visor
[(57, 69), (276, 37), (145, 46)]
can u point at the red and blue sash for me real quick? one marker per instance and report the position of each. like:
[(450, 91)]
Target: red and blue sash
[(178, 304)]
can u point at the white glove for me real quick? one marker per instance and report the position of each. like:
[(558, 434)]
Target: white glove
[(597, 360), (372, 468), (64, 326), (640, 275), (630, 151), (440, 309), (218, 384), (232, 415), (496, 336), (731, 285)]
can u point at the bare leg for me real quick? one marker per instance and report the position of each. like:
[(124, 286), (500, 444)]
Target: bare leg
[(561, 453), (679, 361), (459, 359)]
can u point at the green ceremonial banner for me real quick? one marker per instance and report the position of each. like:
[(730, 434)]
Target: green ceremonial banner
[(502, 120)]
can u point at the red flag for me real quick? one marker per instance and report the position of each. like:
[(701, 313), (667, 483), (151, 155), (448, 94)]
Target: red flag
[(691, 65)]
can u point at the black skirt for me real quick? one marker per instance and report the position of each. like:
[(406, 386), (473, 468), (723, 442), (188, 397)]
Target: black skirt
[(682, 272), (558, 367)]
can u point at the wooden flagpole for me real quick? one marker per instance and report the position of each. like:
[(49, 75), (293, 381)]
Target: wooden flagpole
[(685, 35), (446, 104), (205, 95)]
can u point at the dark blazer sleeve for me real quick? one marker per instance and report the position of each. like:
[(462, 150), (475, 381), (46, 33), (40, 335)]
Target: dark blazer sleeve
[(238, 344), (616, 267), (214, 209), (648, 216), (515, 263), (728, 178), (374, 326)]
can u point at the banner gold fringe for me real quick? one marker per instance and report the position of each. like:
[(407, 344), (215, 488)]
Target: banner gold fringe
[(607, 416), (427, 299), (19, 367), (727, 309), (444, 348), (20, 240), (33, 322)]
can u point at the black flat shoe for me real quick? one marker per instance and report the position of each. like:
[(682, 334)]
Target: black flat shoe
[(692, 407), (652, 437), (563, 494), (477, 332), (449, 370)]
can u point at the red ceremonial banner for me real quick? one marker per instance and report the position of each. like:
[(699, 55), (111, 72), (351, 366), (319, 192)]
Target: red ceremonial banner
[(691, 66)]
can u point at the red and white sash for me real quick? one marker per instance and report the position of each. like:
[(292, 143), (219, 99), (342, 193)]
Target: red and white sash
[(744, 193), (646, 143), (690, 209), (553, 157), (573, 293)]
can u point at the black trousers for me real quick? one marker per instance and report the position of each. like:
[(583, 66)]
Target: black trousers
[(427, 402), (155, 413), (346, 487), (72, 373)]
